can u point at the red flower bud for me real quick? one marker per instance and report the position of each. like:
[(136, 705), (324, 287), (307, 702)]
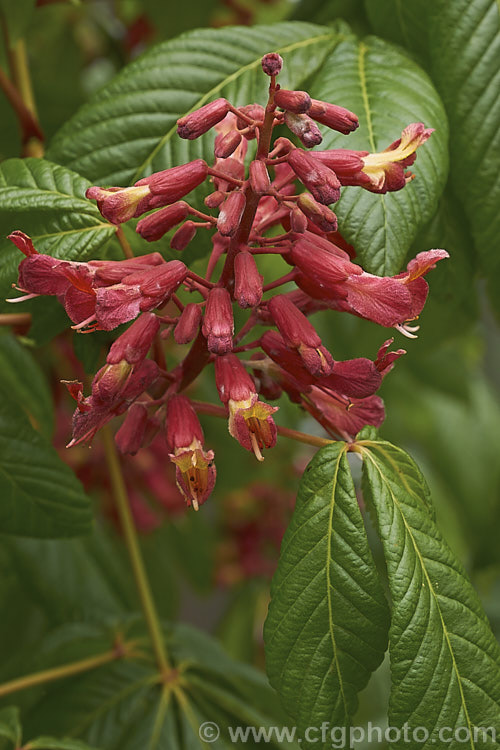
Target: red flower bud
[(201, 120), (321, 216), (272, 64), (226, 144), (188, 323), (154, 226), (218, 323), (184, 235), (298, 221), (337, 118), (346, 164), (172, 184), (129, 437), (232, 380), (134, 344), (300, 334), (248, 280), (215, 199), (304, 128), (231, 213), (256, 113), (317, 178), (293, 101), (259, 177)]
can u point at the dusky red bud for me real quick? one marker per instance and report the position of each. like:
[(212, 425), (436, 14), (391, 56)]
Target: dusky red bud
[(304, 128), (218, 323), (334, 117), (188, 323), (201, 120), (322, 216), (231, 213), (184, 235), (298, 221), (321, 181), (130, 436), (154, 226), (293, 101), (226, 144), (215, 199), (248, 280), (272, 64), (259, 177), (172, 184)]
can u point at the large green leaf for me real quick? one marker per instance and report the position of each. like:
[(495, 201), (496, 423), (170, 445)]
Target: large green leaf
[(387, 91), (465, 49), (47, 202), (128, 129), (39, 494), (445, 661), (328, 619), (22, 381), (121, 705)]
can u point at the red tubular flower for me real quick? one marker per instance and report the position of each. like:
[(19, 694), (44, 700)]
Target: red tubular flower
[(154, 226), (194, 468), (293, 101), (343, 418), (201, 120), (218, 323), (334, 117), (230, 213), (188, 324), (250, 420), (385, 359), (120, 204), (247, 280), (304, 128), (322, 262), (133, 345), (226, 144), (347, 165), (172, 184), (386, 170), (301, 335), (318, 179)]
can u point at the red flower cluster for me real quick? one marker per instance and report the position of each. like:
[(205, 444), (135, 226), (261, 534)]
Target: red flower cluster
[(246, 201)]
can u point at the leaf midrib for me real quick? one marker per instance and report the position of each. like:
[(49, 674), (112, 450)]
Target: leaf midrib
[(397, 505)]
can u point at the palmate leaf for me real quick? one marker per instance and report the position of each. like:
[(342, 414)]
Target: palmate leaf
[(326, 631), (47, 202), (128, 129), (445, 661), (39, 494), (387, 91), (121, 705)]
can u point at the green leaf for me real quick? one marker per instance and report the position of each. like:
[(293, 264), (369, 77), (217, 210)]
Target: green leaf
[(17, 16), (404, 22), (318, 11), (23, 383), (326, 630), (128, 129), (52, 743), (39, 494), (47, 202), (362, 77), (445, 662), (10, 725), (465, 47), (121, 704)]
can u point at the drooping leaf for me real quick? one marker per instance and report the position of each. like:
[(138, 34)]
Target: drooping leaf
[(47, 202), (387, 91), (10, 725), (326, 630), (465, 49), (445, 662), (39, 494), (23, 382), (128, 129)]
